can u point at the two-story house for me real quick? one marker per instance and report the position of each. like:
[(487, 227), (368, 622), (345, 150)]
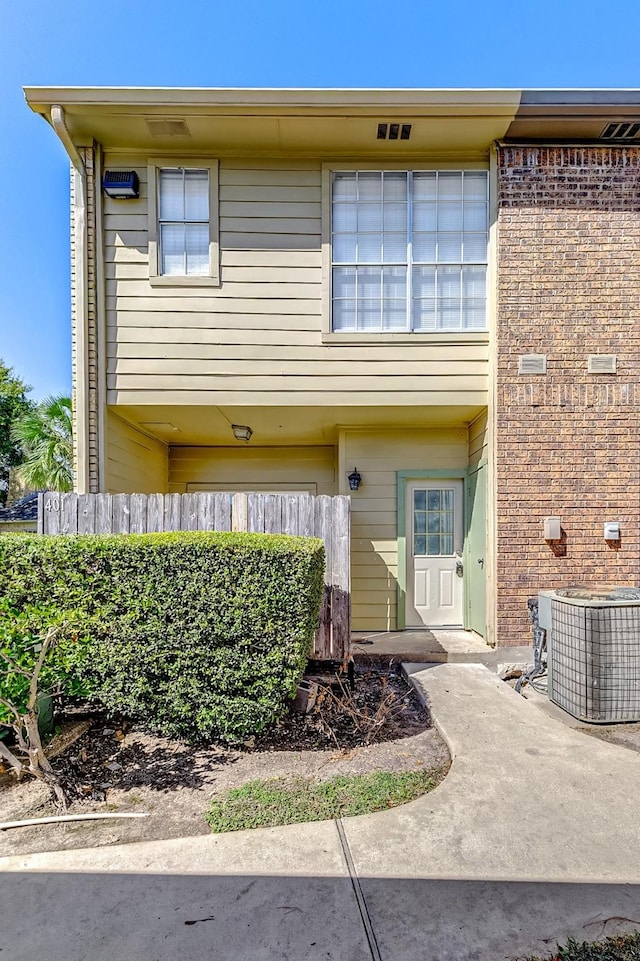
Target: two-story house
[(436, 290)]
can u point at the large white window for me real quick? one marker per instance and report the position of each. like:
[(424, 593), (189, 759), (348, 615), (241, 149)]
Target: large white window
[(183, 223), (409, 250), (183, 208)]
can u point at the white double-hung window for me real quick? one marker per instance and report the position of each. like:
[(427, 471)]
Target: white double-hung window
[(183, 223), (409, 251)]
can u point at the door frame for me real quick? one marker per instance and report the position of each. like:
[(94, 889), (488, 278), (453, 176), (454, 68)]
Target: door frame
[(402, 478)]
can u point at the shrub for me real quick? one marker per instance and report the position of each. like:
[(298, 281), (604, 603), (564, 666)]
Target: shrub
[(198, 635)]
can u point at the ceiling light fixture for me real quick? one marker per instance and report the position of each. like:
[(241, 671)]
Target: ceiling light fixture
[(241, 432)]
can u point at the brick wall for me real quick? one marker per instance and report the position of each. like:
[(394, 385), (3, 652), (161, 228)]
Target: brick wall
[(568, 442)]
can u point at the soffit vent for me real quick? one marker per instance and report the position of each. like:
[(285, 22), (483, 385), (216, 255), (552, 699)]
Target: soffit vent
[(394, 131), (532, 364), (627, 130), (167, 128), (602, 363)]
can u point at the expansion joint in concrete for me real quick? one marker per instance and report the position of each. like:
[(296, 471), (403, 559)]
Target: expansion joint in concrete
[(359, 894)]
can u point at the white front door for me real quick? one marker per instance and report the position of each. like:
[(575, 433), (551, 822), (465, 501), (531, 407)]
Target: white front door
[(434, 554)]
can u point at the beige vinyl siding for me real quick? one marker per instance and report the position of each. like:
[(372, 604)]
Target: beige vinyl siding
[(135, 462), (478, 439), (378, 454), (234, 468), (260, 332)]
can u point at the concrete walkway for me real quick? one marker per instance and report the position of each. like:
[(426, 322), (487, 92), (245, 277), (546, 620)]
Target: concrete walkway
[(533, 836)]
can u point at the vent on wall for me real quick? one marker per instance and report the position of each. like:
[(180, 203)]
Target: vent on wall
[(167, 128), (618, 130), (532, 364), (394, 131), (602, 364)]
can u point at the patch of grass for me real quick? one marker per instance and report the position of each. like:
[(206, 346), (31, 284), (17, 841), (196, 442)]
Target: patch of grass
[(624, 947), (267, 803)]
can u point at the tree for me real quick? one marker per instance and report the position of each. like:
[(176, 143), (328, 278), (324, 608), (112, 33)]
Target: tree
[(14, 404), (44, 434)]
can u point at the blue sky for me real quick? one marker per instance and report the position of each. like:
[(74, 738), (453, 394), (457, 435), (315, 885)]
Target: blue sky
[(336, 43)]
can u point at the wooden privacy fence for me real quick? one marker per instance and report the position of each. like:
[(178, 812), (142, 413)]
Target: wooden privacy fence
[(299, 514)]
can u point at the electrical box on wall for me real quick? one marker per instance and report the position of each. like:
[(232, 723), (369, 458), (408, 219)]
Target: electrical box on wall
[(552, 529), (612, 531)]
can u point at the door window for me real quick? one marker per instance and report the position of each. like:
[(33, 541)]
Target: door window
[(433, 522)]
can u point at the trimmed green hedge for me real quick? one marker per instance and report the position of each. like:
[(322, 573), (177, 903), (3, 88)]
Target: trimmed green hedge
[(198, 635)]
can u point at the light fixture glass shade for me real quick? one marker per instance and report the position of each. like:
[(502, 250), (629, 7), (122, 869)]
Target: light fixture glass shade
[(354, 479), (241, 432)]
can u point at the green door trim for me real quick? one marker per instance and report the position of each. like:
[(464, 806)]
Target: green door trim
[(402, 477), (467, 548)]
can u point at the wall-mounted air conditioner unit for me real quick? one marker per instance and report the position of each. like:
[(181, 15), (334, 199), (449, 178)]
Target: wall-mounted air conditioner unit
[(593, 643)]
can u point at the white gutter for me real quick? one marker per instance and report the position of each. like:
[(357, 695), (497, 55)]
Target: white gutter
[(80, 269)]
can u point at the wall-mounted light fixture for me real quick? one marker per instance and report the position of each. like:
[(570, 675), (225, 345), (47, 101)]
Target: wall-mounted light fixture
[(611, 531), (240, 432), (552, 529), (354, 479), (121, 184)]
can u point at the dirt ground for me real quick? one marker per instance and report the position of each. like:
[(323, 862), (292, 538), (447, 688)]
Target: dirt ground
[(110, 766)]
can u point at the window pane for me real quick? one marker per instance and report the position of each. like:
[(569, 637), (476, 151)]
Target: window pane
[(370, 217), (424, 315), (448, 315), (424, 248), (424, 186), (196, 195), (424, 282), (394, 186), (344, 282), (197, 247), (420, 522), (474, 315), (433, 500), (475, 248), (475, 216), (394, 248), (344, 186), (447, 500), (394, 315), (369, 280), (433, 544), (446, 544), (394, 281), (420, 545), (420, 500), (369, 249), (172, 249), (370, 186), (424, 216), (344, 249), (450, 216), (434, 523), (449, 248), (475, 185), (449, 282), (344, 315), (449, 185), (171, 195), (395, 217), (447, 522), (474, 283), (369, 314), (345, 218)]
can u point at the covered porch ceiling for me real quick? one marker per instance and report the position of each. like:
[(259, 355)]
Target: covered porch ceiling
[(282, 426)]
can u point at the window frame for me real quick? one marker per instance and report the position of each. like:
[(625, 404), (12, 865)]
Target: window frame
[(156, 279), (330, 336)]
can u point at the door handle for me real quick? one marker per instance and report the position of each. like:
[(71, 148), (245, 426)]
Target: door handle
[(459, 568), (481, 561)]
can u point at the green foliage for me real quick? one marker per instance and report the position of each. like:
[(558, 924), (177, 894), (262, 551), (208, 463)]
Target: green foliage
[(44, 434), (21, 633), (198, 635), (622, 947), (261, 803), (13, 405)]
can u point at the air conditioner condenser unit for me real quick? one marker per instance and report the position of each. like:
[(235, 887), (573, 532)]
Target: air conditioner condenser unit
[(593, 644)]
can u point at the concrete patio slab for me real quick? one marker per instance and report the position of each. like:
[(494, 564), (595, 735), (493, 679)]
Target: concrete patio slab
[(531, 838)]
